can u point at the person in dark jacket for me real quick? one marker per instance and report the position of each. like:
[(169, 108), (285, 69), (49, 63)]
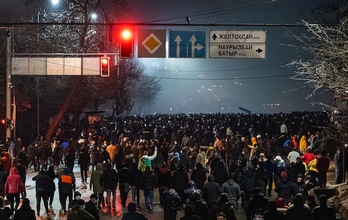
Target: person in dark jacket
[(77, 197), (3, 177), (222, 205), (83, 162), (164, 179), (110, 180), (91, 207), (220, 173), (323, 212), (25, 211), (184, 160), (132, 213), (323, 164), (170, 199), (180, 181), (299, 210), (283, 187), (211, 191), (188, 193), (43, 155), (51, 186), (148, 183), (42, 181), (66, 187), (189, 214), (299, 187), (270, 169), (94, 155), (70, 159), (134, 181), (258, 201), (272, 213), (124, 185), (233, 191), (96, 184), (200, 207), (199, 176), (23, 174), (78, 212)]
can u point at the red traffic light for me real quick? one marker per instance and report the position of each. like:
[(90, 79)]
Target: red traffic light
[(104, 66), (126, 42), (3, 121)]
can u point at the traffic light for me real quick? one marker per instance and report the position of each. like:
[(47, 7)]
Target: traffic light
[(3, 121), (104, 66), (126, 42)]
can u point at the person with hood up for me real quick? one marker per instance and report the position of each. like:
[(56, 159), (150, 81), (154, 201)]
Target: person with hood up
[(280, 167), (189, 214), (180, 181), (298, 211), (222, 205), (283, 187), (323, 164), (25, 211), (13, 187), (41, 182), (258, 201), (249, 181), (146, 160), (124, 185), (171, 200), (323, 212), (272, 213), (199, 176), (66, 186), (184, 160), (303, 144), (78, 212), (95, 183), (6, 162), (232, 189), (211, 191), (220, 173), (188, 193), (200, 206), (299, 186), (164, 179)]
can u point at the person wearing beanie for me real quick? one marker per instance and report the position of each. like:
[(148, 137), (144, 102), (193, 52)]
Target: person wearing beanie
[(283, 187), (78, 212)]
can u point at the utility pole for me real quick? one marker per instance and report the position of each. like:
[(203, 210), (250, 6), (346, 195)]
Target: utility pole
[(8, 82)]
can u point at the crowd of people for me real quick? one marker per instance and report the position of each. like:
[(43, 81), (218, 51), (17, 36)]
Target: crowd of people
[(210, 165)]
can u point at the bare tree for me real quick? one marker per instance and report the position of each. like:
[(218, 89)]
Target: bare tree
[(326, 68)]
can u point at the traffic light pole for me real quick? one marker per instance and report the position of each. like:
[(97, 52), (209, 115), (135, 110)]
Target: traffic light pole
[(8, 82)]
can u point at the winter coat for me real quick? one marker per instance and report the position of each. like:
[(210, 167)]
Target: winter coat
[(201, 209), (201, 158), (148, 181), (96, 181), (124, 175), (66, 182), (110, 178), (94, 156), (91, 208), (42, 180), (323, 163), (83, 159), (135, 175), (249, 180), (211, 191), (164, 178), (170, 200), (14, 183), (25, 212), (145, 160), (6, 162), (185, 162), (224, 207), (283, 188), (199, 176), (78, 213), (232, 189), (220, 173), (180, 180)]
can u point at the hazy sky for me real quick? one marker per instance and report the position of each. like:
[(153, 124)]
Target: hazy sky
[(212, 85)]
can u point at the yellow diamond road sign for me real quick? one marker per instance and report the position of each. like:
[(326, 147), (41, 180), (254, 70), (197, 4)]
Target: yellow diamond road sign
[(151, 43)]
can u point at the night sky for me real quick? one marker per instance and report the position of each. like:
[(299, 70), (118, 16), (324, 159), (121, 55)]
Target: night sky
[(222, 85)]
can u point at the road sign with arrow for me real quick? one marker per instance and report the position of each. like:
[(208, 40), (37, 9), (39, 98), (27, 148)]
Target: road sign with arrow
[(187, 44), (237, 44)]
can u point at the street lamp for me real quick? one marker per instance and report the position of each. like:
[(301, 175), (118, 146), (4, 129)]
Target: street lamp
[(55, 2)]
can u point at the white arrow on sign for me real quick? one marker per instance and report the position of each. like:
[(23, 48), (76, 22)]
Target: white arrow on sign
[(194, 46), (178, 40)]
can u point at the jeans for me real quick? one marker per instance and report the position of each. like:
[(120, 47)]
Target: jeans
[(108, 194), (63, 197), (148, 196)]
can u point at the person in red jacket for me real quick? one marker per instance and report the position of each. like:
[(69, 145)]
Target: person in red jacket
[(13, 187), (323, 164)]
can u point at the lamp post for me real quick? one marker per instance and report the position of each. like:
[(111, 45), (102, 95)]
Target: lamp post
[(8, 81)]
